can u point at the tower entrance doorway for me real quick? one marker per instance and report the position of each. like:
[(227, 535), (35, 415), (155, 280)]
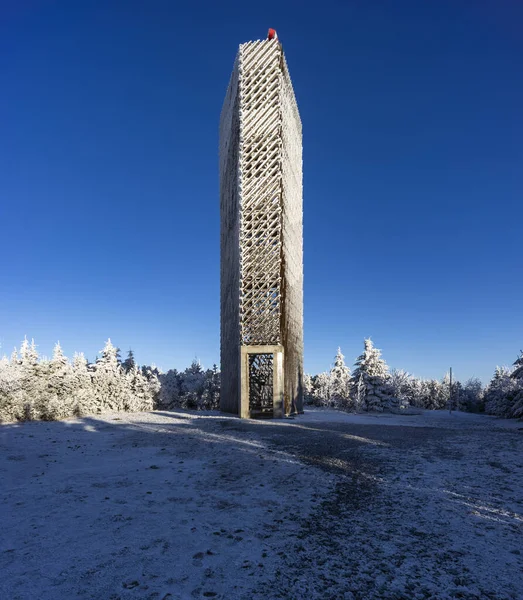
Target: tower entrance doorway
[(261, 381), (261, 385)]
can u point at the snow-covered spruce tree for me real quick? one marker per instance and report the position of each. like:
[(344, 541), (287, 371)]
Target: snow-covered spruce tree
[(500, 393), (359, 391), (457, 395), (436, 397), (83, 397), (307, 389), (371, 378), (504, 393), (321, 389), (211, 394), (417, 392), (57, 401), (445, 392), (517, 376), (129, 363), (517, 371), (403, 387), (340, 382), (33, 380), (140, 396), (21, 385), (12, 397), (193, 385), (152, 374), (472, 396), (110, 384), (170, 391)]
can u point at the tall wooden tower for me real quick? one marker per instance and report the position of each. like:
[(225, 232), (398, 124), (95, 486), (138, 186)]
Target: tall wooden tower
[(261, 237)]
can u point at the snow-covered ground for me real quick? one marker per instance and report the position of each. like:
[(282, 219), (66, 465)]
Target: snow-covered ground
[(324, 506)]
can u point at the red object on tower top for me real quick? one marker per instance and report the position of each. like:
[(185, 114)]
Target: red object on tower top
[(272, 35)]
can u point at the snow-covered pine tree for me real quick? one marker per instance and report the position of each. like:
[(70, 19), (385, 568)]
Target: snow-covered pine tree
[(152, 375), (472, 395), (14, 357), (371, 376), (28, 353), (500, 393), (402, 387), (457, 395), (140, 397), (517, 371), (307, 389), (129, 363), (193, 385), (32, 382), (212, 389), (359, 391), (340, 382), (417, 392), (11, 392), (321, 389), (83, 397), (517, 376), (170, 391), (109, 380), (437, 396), (57, 402), (445, 391)]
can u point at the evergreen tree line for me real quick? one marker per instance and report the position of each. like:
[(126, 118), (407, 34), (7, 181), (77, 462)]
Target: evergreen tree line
[(194, 388), (32, 387), (37, 388), (373, 387)]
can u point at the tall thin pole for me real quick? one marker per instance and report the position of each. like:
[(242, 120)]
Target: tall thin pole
[(450, 392)]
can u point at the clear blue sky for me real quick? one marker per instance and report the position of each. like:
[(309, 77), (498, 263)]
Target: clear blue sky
[(413, 178)]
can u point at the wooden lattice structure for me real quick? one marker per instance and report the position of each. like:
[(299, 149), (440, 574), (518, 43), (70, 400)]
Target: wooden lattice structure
[(261, 233)]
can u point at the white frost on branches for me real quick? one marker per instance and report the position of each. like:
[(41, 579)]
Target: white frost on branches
[(33, 388), (372, 377), (340, 382), (373, 387)]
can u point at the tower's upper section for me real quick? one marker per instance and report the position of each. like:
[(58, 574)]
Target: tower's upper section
[(261, 190), (260, 69)]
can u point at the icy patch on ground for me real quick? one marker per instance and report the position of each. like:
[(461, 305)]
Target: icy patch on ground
[(200, 505)]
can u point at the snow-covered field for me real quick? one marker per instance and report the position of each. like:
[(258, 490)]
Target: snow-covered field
[(324, 506)]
